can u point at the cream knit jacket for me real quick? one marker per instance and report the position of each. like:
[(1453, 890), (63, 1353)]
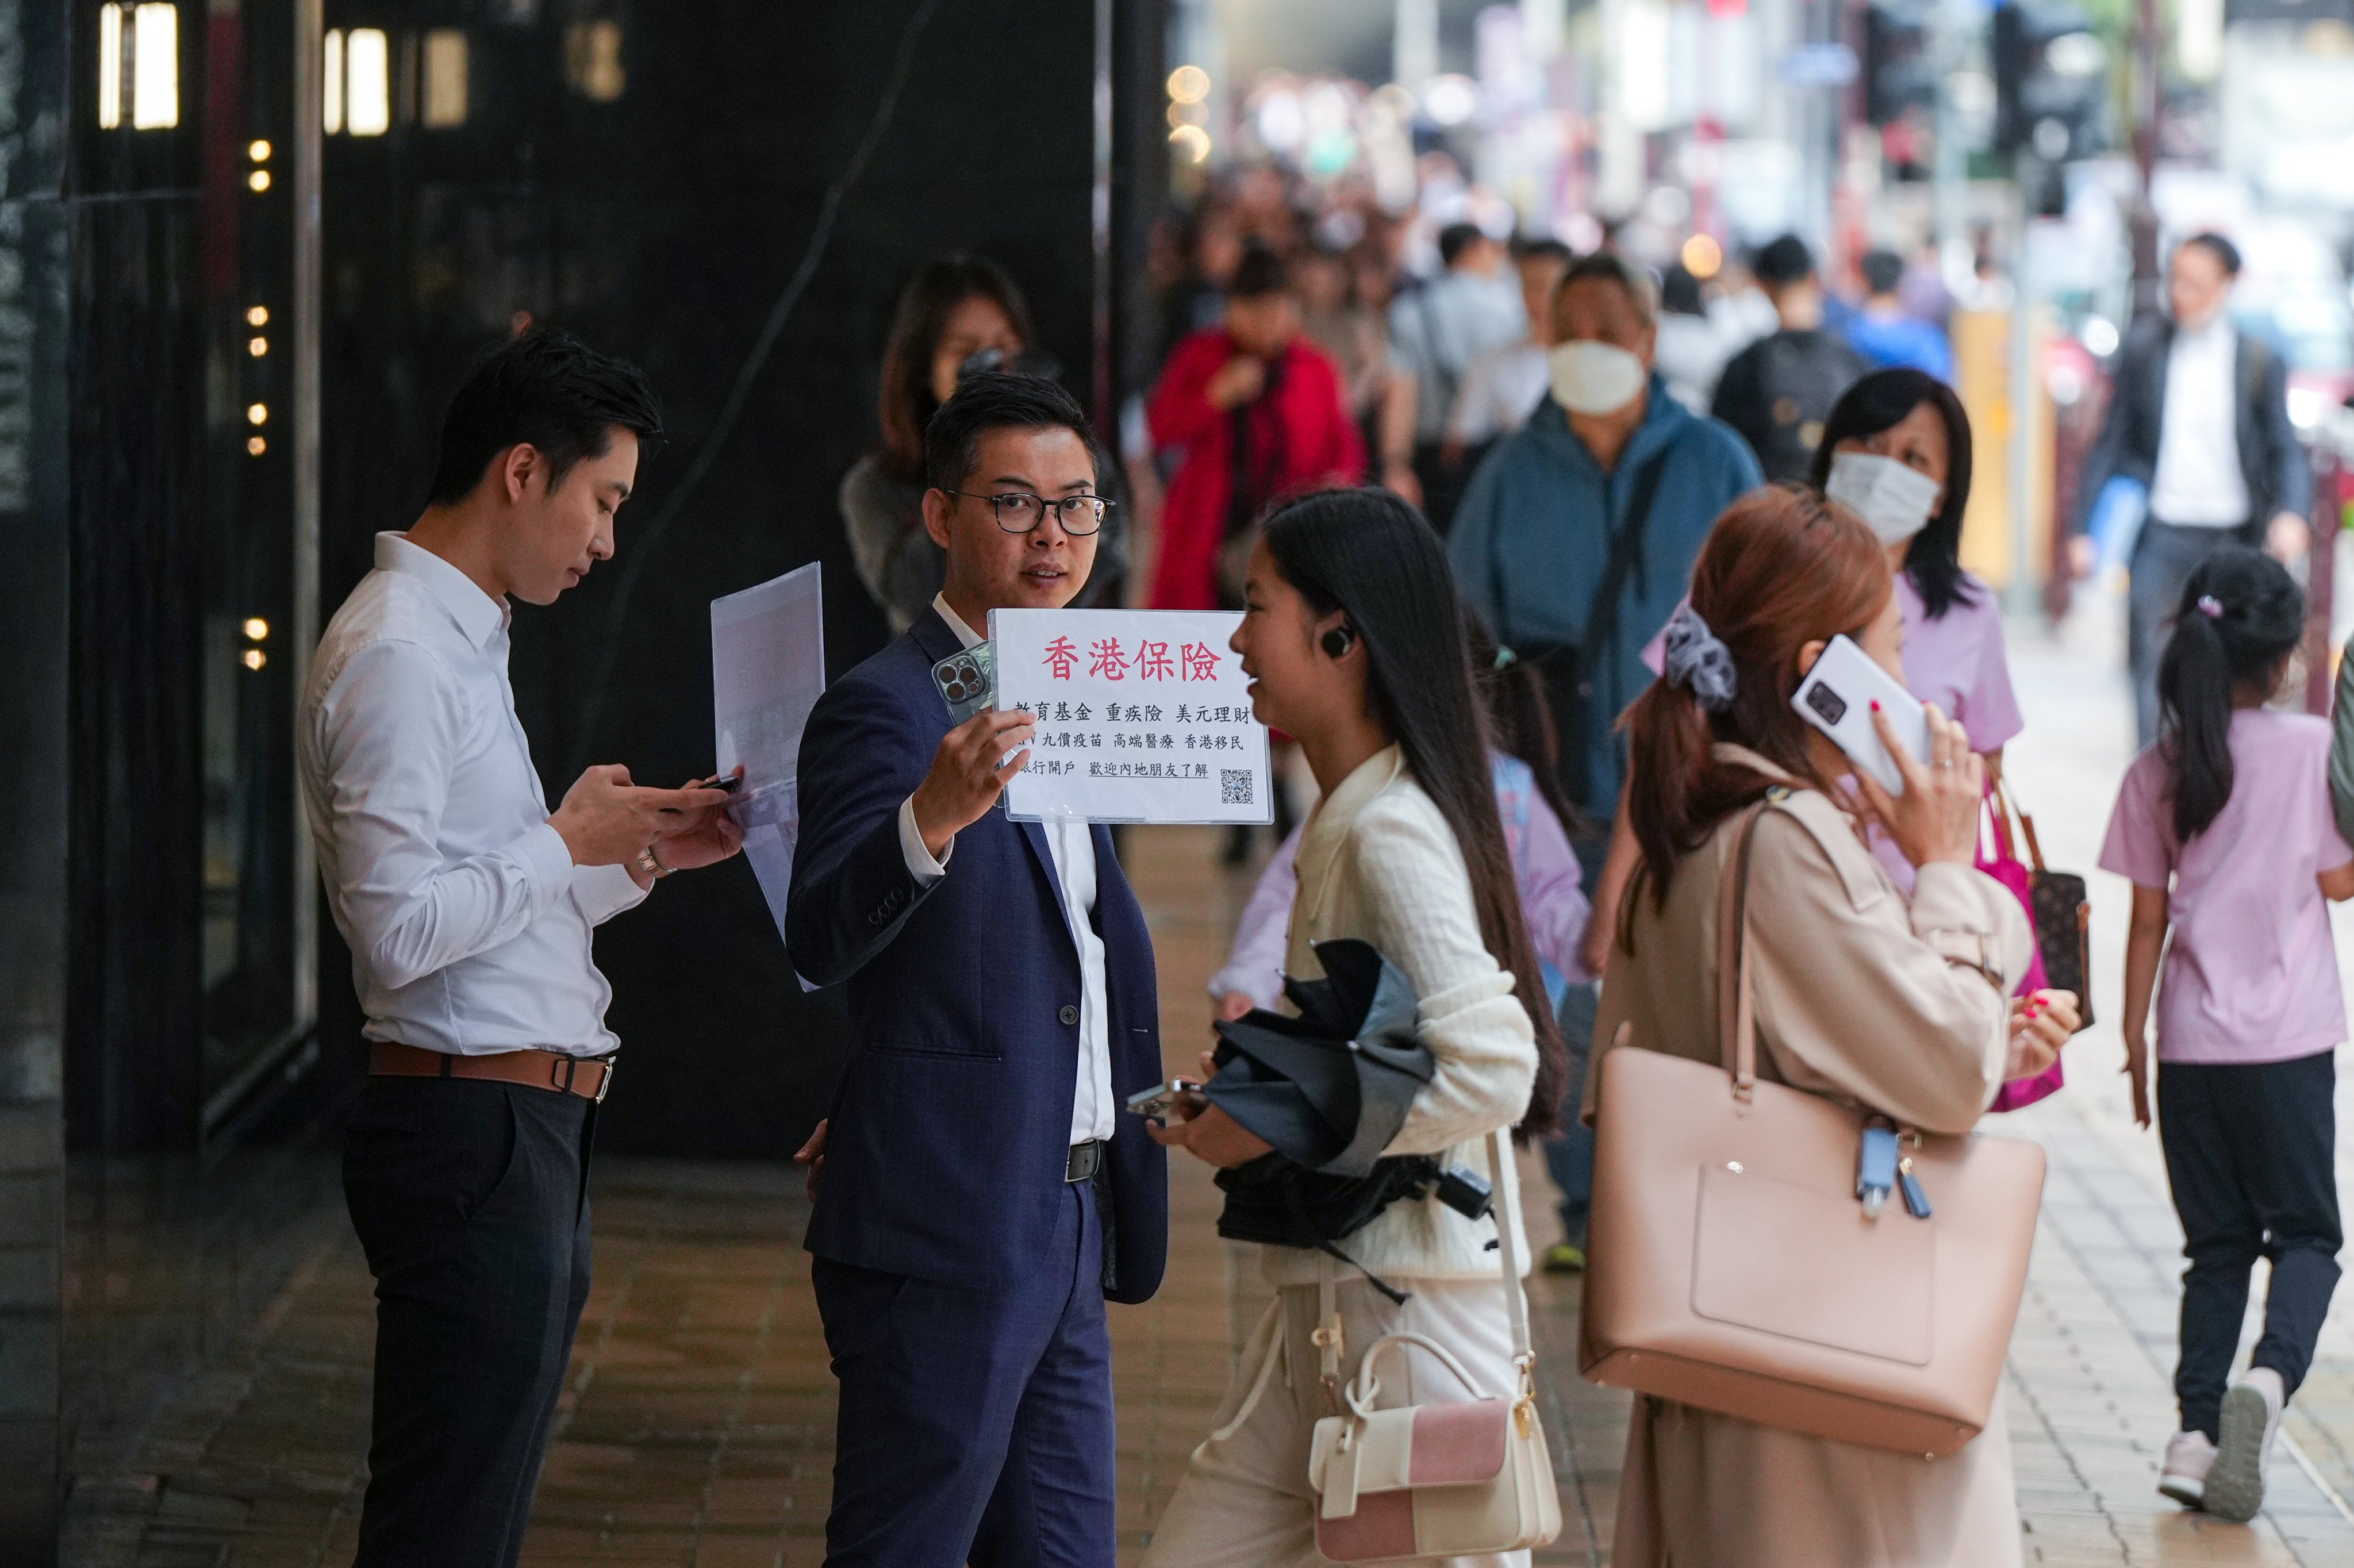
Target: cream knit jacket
[(1379, 863)]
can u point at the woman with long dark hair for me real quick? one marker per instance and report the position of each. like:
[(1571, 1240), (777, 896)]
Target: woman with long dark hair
[(1896, 452), (1897, 1004), (956, 307), (1352, 636)]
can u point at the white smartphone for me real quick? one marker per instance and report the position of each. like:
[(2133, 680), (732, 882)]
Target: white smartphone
[(1836, 697)]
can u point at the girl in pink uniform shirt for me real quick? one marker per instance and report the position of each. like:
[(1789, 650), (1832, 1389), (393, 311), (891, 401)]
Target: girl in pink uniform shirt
[(2232, 808)]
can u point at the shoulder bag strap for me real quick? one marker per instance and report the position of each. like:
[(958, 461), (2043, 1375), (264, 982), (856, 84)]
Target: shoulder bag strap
[(1507, 1257), (2004, 806), (1626, 552), (1736, 995)]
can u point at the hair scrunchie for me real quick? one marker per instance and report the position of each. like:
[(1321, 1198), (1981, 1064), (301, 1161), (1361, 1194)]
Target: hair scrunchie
[(1697, 661)]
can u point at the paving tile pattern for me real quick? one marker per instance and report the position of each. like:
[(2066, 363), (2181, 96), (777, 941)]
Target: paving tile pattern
[(696, 1423)]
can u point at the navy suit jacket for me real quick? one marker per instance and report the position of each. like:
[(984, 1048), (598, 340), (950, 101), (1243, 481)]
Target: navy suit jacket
[(951, 1124)]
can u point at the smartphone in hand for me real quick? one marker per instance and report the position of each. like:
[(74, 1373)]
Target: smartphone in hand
[(1836, 697), (1157, 1101)]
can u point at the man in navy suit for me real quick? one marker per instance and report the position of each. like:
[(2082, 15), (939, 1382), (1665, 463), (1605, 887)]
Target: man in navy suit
[(982, 1194)]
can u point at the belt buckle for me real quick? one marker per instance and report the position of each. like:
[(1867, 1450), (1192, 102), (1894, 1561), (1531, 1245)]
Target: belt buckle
[(565, 1069)]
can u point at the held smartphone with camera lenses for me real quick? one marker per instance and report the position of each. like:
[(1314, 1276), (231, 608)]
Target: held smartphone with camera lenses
[(1159, 1099), (1836, 697)]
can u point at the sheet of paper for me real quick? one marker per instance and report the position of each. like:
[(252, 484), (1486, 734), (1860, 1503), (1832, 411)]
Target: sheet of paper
[(768, 670), (1143, 717)]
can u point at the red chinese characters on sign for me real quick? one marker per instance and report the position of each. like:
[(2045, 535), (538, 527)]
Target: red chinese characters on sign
[(1061, 657), (1197, 662), (1152, 661), (1105, 659)]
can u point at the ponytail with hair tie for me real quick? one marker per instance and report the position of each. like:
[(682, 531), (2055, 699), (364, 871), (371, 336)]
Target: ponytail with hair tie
[(2212, 661)]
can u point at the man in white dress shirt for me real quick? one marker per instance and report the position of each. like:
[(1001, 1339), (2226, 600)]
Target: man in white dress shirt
[(468, 908), (2199, 415)]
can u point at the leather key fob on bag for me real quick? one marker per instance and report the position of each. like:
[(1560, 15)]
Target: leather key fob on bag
[(1875, 1168)]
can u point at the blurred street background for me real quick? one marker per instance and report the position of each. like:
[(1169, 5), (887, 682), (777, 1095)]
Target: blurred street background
[(248, 248)]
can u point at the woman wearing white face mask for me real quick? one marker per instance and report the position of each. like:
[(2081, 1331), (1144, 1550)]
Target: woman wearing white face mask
[(1896, 452)]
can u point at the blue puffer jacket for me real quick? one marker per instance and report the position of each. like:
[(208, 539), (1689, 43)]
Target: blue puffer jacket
[(1532, 536)]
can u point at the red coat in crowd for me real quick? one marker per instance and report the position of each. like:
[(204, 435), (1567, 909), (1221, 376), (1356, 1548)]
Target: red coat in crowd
[(1300, 437)]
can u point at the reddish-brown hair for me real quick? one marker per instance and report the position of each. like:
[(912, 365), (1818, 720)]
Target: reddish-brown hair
[(1782, 567)]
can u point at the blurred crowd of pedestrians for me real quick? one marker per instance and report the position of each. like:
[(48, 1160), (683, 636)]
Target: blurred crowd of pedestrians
[(1658, 495)]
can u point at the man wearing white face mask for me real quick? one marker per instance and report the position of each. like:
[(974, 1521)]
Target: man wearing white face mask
[(1576, 542)]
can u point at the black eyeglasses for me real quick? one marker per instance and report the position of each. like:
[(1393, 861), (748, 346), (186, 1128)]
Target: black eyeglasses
[(1019, 511)]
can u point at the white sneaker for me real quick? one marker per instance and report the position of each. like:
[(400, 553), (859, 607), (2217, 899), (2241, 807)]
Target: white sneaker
[(2252, 1413), (2183, 1477)]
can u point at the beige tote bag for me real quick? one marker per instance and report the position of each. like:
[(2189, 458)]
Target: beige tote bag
[(1732, 1266)]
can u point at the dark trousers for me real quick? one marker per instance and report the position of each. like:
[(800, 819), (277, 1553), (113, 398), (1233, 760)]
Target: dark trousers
[(959, 1401), (1569, 1156), (2164, 557), (2251, 1154), (472, 1202)]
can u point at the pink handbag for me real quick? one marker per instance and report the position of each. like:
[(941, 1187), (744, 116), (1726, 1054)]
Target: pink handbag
[(2005, 867)]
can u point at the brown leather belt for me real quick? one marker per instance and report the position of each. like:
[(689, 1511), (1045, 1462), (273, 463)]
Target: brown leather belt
[(587, 1076)]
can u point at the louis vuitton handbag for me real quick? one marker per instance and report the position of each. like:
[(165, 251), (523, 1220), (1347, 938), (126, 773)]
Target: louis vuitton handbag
[(1744, 1257), (1461, 1479)]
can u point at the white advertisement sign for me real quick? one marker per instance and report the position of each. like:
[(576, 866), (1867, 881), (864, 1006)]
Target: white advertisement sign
[(1143, 716)]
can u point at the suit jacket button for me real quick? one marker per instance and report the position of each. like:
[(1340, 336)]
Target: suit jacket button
[(1069, 1015)]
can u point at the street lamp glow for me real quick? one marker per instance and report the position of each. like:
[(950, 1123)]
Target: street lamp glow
[(331, 83), (155, 68), (257, 346), (255, 659), (259, 180), (1189, 84), (255, 446), (258, 152), (1193, 142), (1702, 257), (257, 414), (367, 101), (256, 628), (110, 67), (257, 316)]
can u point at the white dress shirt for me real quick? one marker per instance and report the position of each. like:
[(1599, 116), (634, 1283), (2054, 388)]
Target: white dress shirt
[(469, 924), (2199, 484), (1072, 846)]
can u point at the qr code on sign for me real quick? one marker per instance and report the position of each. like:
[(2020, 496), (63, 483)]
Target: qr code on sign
[(1235, 787)]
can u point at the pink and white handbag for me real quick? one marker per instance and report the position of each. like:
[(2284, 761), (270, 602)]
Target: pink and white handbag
[(1454, 1479)]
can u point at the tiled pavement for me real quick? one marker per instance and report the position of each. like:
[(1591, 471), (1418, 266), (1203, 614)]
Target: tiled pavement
[(695, 1427)]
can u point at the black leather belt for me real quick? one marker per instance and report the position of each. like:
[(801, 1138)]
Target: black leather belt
[(1085, 1159)]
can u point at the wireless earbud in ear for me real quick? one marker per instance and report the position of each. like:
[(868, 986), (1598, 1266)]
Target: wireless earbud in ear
[(1337, 642)]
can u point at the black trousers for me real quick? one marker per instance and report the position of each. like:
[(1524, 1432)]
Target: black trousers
[(472, 1202), (2251, 1154)]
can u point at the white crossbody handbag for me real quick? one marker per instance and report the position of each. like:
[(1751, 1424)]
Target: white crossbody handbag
[(1457, 1480)]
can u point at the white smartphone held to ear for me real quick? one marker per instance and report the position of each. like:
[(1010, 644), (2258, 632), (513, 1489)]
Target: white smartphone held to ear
[(1836, 697)]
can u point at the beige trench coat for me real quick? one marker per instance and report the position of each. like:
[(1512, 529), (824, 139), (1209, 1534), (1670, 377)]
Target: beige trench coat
[(1863, 999)]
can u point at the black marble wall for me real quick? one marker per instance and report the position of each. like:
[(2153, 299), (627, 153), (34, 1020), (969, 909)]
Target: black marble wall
[(33, 767), (663, 225)]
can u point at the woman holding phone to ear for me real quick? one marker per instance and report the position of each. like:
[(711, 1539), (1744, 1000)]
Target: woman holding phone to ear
[(1894, 1001), (1353, 639)]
